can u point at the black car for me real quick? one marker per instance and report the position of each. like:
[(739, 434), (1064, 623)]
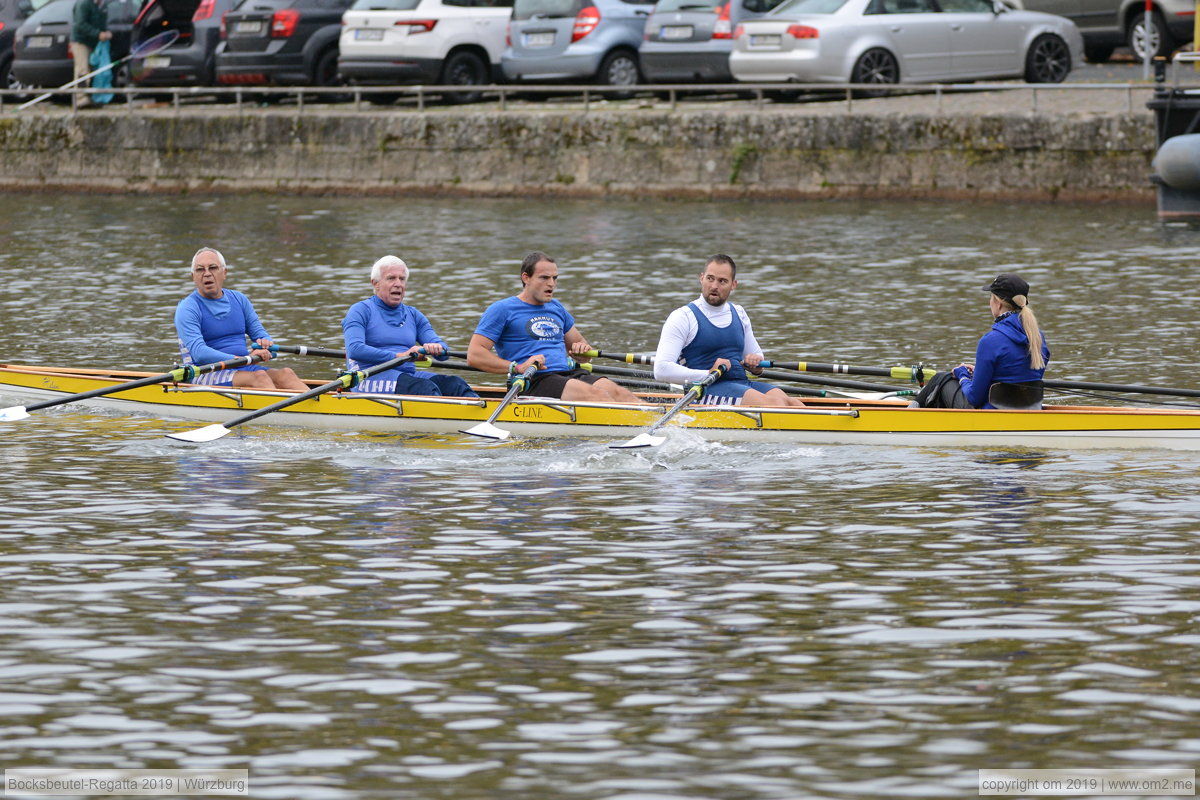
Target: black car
[(42, 53), (191, 59), (12, 14), (285, 42)]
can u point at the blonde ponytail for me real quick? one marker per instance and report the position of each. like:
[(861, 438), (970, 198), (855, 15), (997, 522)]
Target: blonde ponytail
[(1034, 334), (1030, 325)]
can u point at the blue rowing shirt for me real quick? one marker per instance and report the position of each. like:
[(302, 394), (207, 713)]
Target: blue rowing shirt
[(375, 332), (520, 330), (215, 330)]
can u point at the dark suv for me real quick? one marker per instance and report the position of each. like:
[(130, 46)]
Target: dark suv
[(191, 59), (42, 51), (283, 42)]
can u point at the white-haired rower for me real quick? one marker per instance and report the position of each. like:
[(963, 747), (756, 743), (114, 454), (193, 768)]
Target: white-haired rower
[(213, 323), (382, 328)]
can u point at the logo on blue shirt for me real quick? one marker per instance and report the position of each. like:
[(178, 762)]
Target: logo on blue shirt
[(544, 328)]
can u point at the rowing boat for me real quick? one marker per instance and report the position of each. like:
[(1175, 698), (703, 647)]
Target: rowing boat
[(823, 421)]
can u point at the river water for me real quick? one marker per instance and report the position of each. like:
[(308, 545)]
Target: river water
[(353, 616)]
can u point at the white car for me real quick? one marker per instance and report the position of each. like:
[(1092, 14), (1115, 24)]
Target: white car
[(436, 42), (903, 41)]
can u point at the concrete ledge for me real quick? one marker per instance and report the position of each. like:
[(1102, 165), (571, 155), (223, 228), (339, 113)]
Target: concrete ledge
[(715, 153)]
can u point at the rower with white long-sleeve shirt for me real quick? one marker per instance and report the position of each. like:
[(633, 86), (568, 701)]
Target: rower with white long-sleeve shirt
[(710, 332)]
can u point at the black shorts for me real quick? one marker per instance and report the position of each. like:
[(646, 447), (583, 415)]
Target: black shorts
[(551, 384)]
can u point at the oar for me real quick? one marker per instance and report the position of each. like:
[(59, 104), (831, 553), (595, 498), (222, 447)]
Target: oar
[(177, 375), (918, 373), (635, 358), (347, 380), (912, 373), (489, 431), (301, 350), (1120, 387), (694, 392)]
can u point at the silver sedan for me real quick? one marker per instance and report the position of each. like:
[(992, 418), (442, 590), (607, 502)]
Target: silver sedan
[(904, 41)]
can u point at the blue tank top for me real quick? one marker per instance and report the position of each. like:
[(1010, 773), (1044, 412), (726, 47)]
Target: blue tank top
[(712, 343)]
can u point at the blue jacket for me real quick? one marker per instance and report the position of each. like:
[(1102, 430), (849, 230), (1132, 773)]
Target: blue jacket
[(1001, 357)]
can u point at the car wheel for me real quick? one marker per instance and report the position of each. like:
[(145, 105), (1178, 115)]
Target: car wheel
[(325, 73), (7, 79), (1098, 53), (1048, 60), (875, 66), (463, 68), (619, 68), (1161, 42)]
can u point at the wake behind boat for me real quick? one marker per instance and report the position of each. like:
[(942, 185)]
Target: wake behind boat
[(823, 421)]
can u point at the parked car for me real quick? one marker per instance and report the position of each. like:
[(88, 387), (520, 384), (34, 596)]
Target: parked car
[(191, 59), (1109, 24), (12, 14), (576, 40), (285, 42), (690, 40), (903, 41), (42, 53), (448, 42)]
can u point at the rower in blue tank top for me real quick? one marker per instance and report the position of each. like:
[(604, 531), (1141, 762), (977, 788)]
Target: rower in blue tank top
[(710, 332), (382, 327), (212, 324)]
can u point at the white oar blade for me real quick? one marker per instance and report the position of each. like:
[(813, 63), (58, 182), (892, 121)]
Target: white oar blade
[(13, 414), (641, 440), (488, 431), (200, 435)]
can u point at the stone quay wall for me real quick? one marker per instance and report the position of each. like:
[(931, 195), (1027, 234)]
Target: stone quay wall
[(718, 153)]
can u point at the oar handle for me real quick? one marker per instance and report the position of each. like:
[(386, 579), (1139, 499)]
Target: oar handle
[(697, 387), (301, 350)]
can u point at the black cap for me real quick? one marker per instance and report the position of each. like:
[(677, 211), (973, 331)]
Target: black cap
[(1007, 286)]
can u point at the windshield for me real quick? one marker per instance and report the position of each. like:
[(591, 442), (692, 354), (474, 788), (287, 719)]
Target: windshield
[(686, 5), (809, 7), (524, 9)]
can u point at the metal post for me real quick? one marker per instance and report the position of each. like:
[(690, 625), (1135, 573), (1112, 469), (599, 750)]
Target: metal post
[(1147, 56)]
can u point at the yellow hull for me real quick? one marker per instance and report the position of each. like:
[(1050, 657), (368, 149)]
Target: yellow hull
[(824, 421)]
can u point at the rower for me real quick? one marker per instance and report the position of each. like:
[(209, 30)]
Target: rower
[(382, 327), (533, 328), (213, 323), (711, 332)]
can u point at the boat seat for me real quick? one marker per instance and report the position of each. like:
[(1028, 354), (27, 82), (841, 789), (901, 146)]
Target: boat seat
[(1022, 396)]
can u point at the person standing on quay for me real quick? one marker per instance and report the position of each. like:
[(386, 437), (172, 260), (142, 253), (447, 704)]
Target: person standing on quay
[(89, 27)]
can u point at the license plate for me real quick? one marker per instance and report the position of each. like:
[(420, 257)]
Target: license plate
[(39, 41), (245, 26), (675, 32), (766, 40), (369, 34), (157, 62), (539, 39)]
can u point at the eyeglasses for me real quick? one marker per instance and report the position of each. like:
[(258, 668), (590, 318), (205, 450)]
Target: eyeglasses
[(200, 269)]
